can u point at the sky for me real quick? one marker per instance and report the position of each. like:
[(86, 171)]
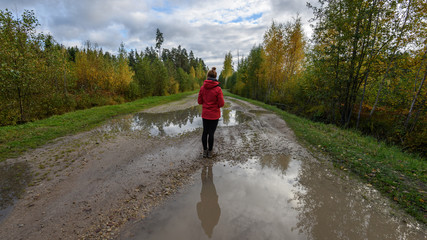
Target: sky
[(209, 28)]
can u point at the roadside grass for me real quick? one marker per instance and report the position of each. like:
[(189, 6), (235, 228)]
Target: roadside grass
[(398, 175), (14, 140)]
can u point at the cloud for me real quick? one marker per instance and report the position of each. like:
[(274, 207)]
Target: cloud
[(288, 7), (209, 28)]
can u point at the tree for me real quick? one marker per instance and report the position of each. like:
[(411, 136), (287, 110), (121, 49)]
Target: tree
[(417, 91), (227, 69), (132, 58), (123, 73), (255, 74), (200, 72), (274, 58), (159, 40), (294, 50), (399, 28), (349, 37), (20, 67), (143, 76), (183, 80)]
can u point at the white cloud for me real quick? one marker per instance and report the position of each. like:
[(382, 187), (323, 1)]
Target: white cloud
[(209, 28)]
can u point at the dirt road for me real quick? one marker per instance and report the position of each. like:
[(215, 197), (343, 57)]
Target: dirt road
[(101, 184)]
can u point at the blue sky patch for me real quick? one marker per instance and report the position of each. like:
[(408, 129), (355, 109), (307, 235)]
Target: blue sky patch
[(237, 20), (218, 21), (253, 17)]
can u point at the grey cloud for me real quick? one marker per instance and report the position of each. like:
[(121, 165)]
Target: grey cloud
[(213, 42), (104, 22), (288, 7)]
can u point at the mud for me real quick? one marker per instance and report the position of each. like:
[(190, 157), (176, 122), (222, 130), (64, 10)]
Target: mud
[(104, 183), (14, 177)]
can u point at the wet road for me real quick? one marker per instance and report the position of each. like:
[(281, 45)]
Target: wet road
[(266, 199), (263, 185), (121, 182), (13, 180)]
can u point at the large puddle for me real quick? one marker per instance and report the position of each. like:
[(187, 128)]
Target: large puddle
[(171, 124), (13, 180), (269, 197)]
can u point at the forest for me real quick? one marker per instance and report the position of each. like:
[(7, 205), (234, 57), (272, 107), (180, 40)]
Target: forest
[(364, 68), (40, 77)]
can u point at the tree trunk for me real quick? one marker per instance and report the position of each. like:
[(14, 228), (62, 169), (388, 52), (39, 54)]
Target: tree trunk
[(64, 74), (369, 64), (419, 112), (418, 73), (380, 88), (363, 97), (415, 98), (65, 82), (21, 107), (351, 79), (391, 58)]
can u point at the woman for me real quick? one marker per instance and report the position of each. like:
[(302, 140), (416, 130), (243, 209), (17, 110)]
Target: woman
[(211, 98)]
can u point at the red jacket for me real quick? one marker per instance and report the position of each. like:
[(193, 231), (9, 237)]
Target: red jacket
[(210, 96)]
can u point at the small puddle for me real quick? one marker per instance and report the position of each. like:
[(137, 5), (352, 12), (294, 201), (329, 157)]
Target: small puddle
[(13, 180), (171, 124), (259, 112), (269, 197)]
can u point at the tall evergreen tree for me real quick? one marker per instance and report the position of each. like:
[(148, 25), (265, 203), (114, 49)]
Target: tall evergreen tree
[(159, 41)]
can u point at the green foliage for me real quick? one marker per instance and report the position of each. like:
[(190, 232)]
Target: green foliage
[(20, 69), (96, 71), (274, 59), (366, 69), (227, 69), (40, 78), (145, 75), (181, 59), (160, 78), (184, 80), (16, 139), (270, 73), (175, 72), (367, 54)]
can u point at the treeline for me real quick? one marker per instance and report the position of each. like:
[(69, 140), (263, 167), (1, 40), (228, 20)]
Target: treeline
[(40, 77), (365, 68), (176, 71)]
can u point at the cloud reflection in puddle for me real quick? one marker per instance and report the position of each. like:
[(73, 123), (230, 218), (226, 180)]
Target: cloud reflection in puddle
[(171, 124)]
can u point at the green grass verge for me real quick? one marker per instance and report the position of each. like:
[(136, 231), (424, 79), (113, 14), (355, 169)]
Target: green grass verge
[(14, 140), (399, 175)]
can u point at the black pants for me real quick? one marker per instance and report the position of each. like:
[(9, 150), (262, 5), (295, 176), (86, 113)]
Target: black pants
[(209, 127)]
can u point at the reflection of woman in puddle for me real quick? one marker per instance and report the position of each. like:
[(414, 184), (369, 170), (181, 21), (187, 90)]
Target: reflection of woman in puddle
[(208, 208)]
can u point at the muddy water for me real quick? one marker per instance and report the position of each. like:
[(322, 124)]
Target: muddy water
[(171, 124), (271, 197), (13, 180)]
